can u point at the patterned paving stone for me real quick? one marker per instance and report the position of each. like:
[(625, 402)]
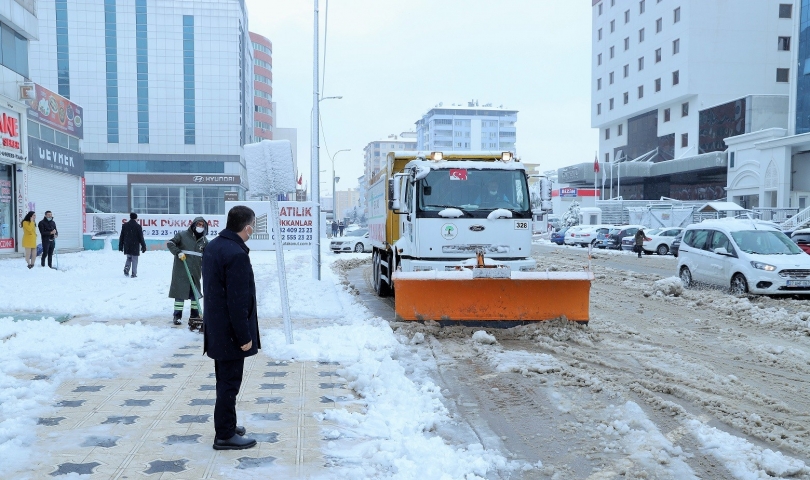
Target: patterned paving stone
[(88, 388), (78, 468), (327, 374), (180, 439), (328, 363), (49, 421), (264, 437), (198, 402), (70, 403), (207, 388), (137, 403), (163, 375), (250, 462), (106, 442), (126, 420), (164, 466), (331, 399), (173, 365), (272, 386), (182, 354), (151, 388), (265, 400), (194, 418), (267, 417), (277, 364), (326, 386), (275, 374)]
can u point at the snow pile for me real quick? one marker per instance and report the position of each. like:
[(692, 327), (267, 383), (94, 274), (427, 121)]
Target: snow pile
[(516, 361), (499, 213), (52, 353), (669, 287), (745, 460), (270, 167), (451, 213), (483, 338)]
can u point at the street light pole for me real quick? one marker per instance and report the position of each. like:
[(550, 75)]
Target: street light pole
[(334, 198), (314, 158)]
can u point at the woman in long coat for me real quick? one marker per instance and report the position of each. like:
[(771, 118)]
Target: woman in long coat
[(187, 246), (29, 241)]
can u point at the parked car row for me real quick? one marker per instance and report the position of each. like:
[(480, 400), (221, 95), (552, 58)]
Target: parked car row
[(617, 237)]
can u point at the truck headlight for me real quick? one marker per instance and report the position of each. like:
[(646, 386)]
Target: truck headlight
[(763, 266)]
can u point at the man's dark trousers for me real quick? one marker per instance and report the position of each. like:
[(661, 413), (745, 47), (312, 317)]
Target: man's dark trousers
[(229, 379), (47, 250)]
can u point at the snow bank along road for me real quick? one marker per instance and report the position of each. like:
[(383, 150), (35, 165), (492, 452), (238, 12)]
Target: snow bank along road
[(663, 383)]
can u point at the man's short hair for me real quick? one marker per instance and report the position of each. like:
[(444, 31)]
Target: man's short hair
[(239, 217), (133, 215), (47, 212)]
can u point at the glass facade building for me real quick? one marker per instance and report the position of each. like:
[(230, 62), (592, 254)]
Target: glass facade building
[(13, 50), (111, 51), (190, 131), (62, 56), (142, 59), (803, 71)]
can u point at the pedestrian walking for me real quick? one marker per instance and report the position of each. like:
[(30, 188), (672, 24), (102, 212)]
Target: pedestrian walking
[(131, 242), (341, 226), (187, 247), (639, 242), (48, 232), (231, 324), (334, 228), (29, 241)]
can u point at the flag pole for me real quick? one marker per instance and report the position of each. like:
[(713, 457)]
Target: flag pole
[(595, 171)]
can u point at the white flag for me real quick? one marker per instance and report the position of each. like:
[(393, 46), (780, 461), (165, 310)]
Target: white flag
[(604, 173)]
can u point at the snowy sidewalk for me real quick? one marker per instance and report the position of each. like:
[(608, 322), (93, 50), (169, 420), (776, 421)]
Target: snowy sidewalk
[(158, 420)]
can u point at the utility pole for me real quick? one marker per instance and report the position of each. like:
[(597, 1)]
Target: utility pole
[(315, 164)]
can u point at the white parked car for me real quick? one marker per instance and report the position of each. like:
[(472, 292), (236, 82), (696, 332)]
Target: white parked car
[(660, 240), (353, 241), (584, 234), (743, 256)]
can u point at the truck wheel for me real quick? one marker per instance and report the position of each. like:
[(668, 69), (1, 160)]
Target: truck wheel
[(380, 286)]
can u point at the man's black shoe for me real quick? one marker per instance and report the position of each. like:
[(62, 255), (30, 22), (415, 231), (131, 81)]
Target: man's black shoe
[(240, 431), (234, 443), (126, 272)]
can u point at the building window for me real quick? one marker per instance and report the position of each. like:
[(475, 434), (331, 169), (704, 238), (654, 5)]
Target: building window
[(684, 140), (607, 134), (730, 159), (784, 44), (262, 79), (782, 74), (189, 97), (610, 78), (676, 15), (599, 109), (659, 24), (62, 57), (599, 9), (676, 46), (612, 51), (626, 16), (785, 10), (626, 97), (262, 63), (641, 35), (599, 34), (612, 26), (641, 91), (599, 59), (599, 84), (111, 50), (264, 110), (657, 84), (627, 43), (685, 109), (657, 55), (641, 7), (261, 48), (607, 157), (676, 77), (641, 63), (142, 71), (666, 115), (107, 198), (610, 102), (626, 71), (619, 128)]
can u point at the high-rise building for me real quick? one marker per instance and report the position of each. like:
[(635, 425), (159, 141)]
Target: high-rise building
[(263, 121), (464, 128), (374, 153), (344, 200), (167, 92)]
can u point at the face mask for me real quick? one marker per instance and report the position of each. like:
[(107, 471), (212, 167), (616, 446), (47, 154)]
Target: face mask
[(49, 218), (251, 232), (200, 229)]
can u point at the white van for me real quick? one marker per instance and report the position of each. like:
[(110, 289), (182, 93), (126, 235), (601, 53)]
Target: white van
[(743, 255)]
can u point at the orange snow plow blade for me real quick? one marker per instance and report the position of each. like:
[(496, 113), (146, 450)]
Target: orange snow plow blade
[(455, 297)]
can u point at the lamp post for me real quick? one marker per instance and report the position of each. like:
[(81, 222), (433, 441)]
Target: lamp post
[(335, 180)]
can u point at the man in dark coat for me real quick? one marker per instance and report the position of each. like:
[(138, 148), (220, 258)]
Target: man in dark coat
[(131, 242), (48, 232), (231, 324), (187, 246), (639, 241)]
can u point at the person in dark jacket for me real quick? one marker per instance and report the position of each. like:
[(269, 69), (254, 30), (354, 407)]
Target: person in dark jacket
[(187, 246), (334, 228), (231, 324), (341, 226), (48, 232), (131, 242), (639, 242)]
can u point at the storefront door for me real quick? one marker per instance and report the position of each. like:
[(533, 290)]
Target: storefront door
[(7, 230)]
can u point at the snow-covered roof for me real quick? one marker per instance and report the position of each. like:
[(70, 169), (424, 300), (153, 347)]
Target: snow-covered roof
[(721, 207)]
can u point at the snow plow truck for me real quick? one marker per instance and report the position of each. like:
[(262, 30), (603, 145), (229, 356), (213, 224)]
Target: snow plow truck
[(452, 238)]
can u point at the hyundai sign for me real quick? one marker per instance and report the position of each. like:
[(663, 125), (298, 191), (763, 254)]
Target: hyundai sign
[(568, 192)]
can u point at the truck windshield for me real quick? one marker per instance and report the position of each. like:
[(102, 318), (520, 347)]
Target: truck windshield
[(473, 190)]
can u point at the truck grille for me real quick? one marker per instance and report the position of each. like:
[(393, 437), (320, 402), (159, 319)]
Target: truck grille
[(794, 273)]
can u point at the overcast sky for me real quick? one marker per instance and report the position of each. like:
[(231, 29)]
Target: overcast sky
[(393, 60)]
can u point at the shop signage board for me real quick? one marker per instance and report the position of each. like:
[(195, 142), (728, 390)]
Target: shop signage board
[(568, 192), (10, 136), (53, 157), (56, 111)]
